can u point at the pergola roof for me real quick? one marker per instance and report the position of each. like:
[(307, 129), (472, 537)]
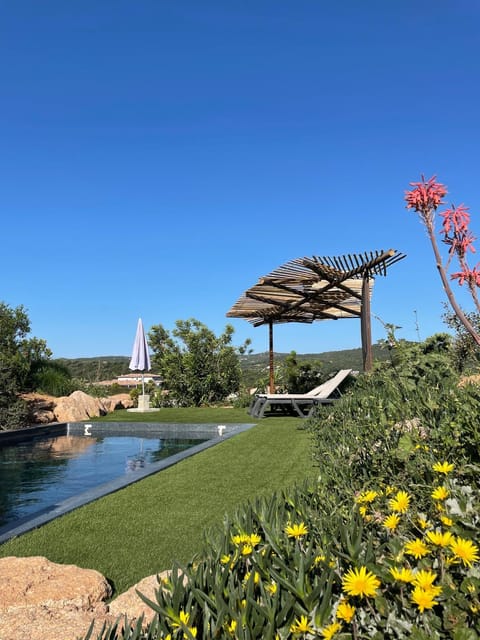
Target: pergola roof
[(316, 288)]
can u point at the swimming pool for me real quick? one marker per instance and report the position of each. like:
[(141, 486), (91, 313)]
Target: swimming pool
[(47, 472)]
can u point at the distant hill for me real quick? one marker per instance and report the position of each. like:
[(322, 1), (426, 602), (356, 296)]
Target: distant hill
[(96, 369), (254, 365)]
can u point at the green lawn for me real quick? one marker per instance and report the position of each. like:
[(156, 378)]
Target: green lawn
[(141, 529)]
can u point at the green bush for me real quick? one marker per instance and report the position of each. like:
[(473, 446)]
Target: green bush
[(373, 431), (384, 545), (52, 378), (402, 563)]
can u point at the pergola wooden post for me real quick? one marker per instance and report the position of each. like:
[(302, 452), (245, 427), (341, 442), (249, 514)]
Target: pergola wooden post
[(366, 325), (271, 383)]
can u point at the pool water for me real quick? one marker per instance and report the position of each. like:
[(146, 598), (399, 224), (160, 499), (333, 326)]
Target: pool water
[(36, 475)]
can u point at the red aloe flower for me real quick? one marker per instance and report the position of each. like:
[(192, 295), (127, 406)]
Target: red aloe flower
[(465, 243), (426, 196), (457, 218), (471, 276)]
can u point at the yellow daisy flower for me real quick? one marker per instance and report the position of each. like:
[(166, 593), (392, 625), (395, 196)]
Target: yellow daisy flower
[(345, 611), (366, 496), (247, 549), (424, 579), (184, 618), (182, 621), (392, 521), (439, 538), (225, 559), (296, 530), (446, 521), (416, 548), (272, 588), (331, 630), (423, 599), (255, 539), (440, 493), (402, 575), (360, 582), (424, 524), (465, 550), (301, 626), (232, 627), (400, 502), (443, 467)]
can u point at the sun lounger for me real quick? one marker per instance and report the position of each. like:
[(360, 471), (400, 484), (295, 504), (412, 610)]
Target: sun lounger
[(301, 403)]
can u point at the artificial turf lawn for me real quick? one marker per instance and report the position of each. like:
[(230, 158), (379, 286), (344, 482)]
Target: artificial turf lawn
[(143, 528)]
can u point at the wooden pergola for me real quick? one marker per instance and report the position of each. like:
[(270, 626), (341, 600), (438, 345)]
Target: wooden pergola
[(317, 288)]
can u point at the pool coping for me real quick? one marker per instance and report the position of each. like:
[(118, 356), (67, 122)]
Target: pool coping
[(28, 523)]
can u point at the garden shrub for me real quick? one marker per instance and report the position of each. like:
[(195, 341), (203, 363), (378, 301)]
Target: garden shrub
[(415, 401), (383, 545), (403, 563)]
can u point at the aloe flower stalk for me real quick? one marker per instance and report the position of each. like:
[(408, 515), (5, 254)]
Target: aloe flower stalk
[(425, 198)]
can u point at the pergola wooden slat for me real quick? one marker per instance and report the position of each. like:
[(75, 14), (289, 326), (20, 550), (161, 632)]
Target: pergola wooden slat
[(317, 288)]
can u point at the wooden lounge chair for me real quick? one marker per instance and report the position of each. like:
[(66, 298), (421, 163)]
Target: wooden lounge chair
[(301, 403)]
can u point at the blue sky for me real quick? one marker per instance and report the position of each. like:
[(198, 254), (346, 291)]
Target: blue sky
[(159, 156)]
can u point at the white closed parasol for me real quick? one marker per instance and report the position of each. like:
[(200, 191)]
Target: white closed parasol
[(140, 360)]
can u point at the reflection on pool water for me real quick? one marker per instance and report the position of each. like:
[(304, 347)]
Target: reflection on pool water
[(40, 473)]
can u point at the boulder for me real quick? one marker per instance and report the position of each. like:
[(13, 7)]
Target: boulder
[(130, 604), (78, 406), (118, 401), (42, 600), (40, 407)]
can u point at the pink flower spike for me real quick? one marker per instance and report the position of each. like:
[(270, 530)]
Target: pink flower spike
[(472, 276), (461, 276), (426, 195)]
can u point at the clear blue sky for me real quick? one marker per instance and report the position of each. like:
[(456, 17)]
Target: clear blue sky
[(159, 156)]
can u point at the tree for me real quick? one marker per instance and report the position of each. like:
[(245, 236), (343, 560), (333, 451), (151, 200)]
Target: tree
[(18, 354), (197, 367), (301, 377)]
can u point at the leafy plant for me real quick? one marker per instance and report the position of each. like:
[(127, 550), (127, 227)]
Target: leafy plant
[(414, 401), (397, 563), (197, 366)]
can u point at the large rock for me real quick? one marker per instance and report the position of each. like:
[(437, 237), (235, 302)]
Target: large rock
[(76, 407), (131, 605), (42, 600), (40, 407), (118, 401)]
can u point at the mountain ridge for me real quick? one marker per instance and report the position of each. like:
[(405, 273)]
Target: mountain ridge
[(96, 368)]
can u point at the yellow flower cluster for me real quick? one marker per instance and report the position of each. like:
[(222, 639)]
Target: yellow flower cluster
[(434, 540), (423, 544)]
